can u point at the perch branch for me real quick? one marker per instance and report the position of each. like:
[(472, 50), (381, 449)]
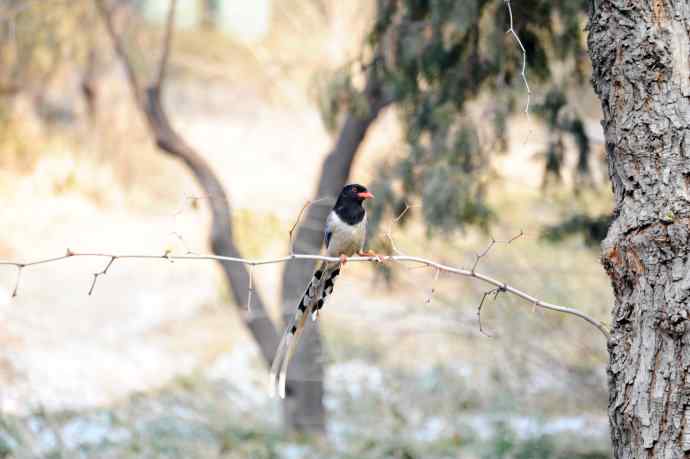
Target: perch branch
[(472, 273)]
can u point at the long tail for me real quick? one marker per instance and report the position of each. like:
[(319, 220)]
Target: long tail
[(318, 289)]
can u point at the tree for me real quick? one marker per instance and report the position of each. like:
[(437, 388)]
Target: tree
[(304, 401), (433, 58), (303, 407), (148, 100), (307, 391), (416, 56), (639, 53), (429, 58)]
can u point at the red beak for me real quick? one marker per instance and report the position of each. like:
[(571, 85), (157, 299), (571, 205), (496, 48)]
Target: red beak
[(365, 195)]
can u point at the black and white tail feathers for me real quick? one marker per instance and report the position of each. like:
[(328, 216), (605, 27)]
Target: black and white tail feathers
[(319, 288)]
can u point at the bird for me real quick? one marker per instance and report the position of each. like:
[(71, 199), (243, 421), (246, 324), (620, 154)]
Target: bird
[(344, 235)]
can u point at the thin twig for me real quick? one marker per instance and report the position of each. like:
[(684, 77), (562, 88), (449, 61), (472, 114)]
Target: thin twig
[(433, 286), (478, 256), (523, 74), (193, 203), (389, 233), (19, 278), (357, 259), (182, 240), (306, 206), (494, 292), (514, 238), (101, 273), (250, 290)]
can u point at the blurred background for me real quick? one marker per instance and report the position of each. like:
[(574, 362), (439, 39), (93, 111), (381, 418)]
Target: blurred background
[(425, 102)]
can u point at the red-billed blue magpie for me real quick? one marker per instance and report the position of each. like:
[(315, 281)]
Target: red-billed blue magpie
[(344, 236)]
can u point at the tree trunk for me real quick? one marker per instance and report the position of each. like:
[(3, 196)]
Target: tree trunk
[(221, 237), (149, 100), (639, 53), (304, 410)]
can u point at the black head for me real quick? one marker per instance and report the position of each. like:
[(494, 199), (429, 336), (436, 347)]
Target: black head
[(355, 192), (349, 204)]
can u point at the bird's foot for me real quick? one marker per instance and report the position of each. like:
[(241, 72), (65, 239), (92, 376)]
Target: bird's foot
[(370, 253), (343, 259)]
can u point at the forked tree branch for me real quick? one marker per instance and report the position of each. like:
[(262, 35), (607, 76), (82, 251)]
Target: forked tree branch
[(499, 286), (148, 100), (167, 43)]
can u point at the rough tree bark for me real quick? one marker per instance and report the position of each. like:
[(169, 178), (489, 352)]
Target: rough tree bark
[(303, 408), (639, 53)]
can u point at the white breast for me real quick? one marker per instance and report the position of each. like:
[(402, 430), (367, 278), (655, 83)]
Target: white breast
[(345, 239)]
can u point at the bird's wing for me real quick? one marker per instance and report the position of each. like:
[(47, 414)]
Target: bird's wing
[(329, 228)]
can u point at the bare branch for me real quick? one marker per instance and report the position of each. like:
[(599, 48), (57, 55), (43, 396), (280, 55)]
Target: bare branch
[(479, 256), (433, 286), (523, 74), (19, 278), (193, 201), (502, 286), (514, 238), (389, 232), (250, 289), (306, 206), (179, 237), (485, 252), (494, 292), (149, 101), (101, 273)]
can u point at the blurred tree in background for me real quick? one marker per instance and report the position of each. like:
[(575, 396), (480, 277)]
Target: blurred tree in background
[(36, 47), (432, 59), (436, 57)]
